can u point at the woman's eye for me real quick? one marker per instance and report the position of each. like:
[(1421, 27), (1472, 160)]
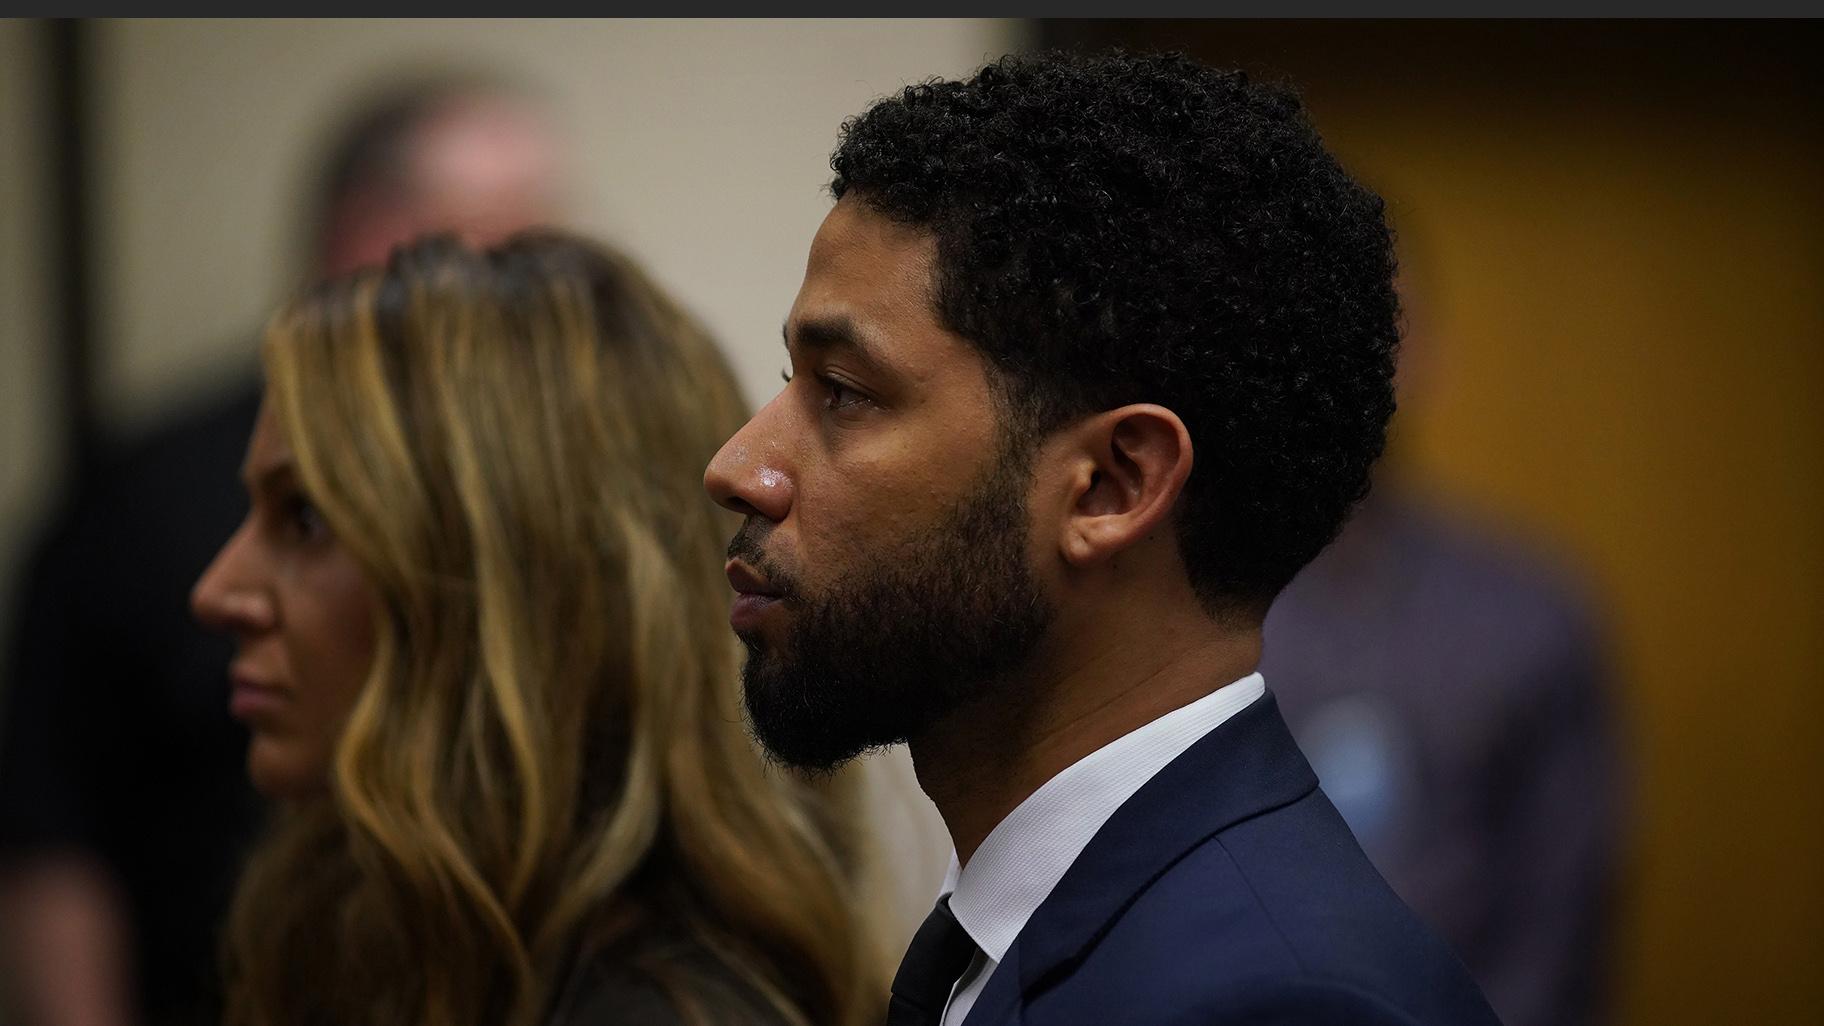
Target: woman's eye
[(305, 520), (785, 375)]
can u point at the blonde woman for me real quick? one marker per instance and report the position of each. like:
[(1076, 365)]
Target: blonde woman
[(480, 609)]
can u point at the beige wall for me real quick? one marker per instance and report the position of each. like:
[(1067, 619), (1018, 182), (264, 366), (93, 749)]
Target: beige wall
[(28, 430), (700, 145)]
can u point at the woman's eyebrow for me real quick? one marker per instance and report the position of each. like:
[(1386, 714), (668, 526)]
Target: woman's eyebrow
[(271, 477)]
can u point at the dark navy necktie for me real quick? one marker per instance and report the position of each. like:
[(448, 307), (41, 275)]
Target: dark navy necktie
[(940, 951)]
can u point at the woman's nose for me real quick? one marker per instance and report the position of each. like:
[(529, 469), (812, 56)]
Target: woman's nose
[(229, 595)]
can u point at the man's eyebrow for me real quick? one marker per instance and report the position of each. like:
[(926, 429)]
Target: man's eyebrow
[(828, 334)]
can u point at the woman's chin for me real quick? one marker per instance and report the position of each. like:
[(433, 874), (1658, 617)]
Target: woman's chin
[(279, 771)]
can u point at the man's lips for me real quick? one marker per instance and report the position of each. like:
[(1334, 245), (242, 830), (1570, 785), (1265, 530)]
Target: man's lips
[(746, 581), (754, 595)]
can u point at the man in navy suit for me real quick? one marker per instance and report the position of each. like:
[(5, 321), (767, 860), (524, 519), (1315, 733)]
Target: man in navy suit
[(1091, 356)]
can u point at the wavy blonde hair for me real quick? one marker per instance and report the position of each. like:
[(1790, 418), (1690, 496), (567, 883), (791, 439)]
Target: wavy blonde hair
[(547, 760)]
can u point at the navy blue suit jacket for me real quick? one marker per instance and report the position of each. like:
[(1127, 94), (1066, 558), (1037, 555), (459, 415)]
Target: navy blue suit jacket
[(1228, 890)]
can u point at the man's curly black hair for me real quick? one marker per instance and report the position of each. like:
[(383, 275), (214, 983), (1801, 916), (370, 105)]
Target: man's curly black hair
[(1119, 228)]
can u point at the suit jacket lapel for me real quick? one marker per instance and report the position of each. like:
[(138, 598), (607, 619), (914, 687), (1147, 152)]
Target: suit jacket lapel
[(999, 1002), (1244, 767)]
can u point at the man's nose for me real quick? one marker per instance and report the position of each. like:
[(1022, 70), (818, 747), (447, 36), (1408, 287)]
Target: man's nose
[(749, 476)]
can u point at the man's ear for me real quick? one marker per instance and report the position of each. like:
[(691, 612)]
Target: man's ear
[(1129, 466)]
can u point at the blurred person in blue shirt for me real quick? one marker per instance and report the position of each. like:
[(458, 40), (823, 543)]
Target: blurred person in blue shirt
[(1450, 683)]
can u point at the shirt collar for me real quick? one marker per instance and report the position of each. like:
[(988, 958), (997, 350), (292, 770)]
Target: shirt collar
[(1027, 853)]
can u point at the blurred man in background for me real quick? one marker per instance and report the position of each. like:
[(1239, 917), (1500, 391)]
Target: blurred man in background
[(124, 808), (1451, 688)]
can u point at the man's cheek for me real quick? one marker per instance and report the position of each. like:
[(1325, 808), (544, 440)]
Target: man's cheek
[(826, 547)]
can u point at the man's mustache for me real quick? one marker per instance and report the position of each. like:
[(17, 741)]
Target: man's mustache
[(748, 546)]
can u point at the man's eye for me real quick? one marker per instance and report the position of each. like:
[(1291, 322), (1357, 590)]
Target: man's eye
[(841, 395), (785, 375)]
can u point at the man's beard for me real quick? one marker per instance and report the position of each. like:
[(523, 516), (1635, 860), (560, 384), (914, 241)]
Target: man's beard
[(899, 643)]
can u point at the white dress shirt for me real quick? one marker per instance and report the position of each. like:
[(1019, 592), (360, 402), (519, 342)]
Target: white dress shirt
[(1026, 854)]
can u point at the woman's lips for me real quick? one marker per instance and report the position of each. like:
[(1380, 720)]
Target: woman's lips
[(250, 699)]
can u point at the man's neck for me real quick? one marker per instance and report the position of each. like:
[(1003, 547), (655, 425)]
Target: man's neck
[(1082, 690)]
